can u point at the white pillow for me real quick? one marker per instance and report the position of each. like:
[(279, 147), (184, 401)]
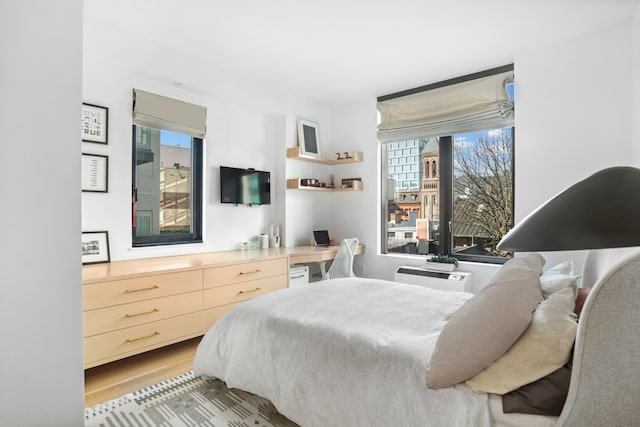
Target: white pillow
[(543, 348), (567, 268), (558, 277)]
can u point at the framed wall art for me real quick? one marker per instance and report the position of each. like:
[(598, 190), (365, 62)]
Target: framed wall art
[(95, 247), (308, 138), (95, 123), (95, 173)]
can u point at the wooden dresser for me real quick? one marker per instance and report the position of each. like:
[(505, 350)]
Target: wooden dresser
[(134, 306)]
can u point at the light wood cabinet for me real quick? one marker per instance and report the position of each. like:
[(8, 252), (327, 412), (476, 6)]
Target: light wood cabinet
[(240, 273), (227, 286), (123, 291), (137, 305)]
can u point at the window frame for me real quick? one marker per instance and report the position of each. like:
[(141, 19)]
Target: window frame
[(197, 168), (445, 177), (445, 182)]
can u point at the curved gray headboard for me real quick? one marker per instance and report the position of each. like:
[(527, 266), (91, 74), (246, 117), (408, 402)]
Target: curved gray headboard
[(605, 378)]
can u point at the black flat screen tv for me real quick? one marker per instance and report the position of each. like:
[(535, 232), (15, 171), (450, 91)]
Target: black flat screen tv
[(244, 186)]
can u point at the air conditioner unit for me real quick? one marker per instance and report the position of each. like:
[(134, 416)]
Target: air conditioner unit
[(452, 281)]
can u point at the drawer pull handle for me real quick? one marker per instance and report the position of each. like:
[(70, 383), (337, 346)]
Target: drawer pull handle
[(249, 291), (128, 291), (251, 272), (141, 338), (143, 312)]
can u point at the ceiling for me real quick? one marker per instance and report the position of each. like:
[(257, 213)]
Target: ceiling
[(336, 52)]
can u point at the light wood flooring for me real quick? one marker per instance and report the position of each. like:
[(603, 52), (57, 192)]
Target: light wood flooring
[(114, 379)]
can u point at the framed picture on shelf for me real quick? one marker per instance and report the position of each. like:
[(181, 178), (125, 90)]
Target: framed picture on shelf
[(308, 138), (95, 123), (95, 173), (95, 247)]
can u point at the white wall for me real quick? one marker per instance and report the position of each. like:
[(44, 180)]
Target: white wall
[(573, 115), (247, 126), (635, 86), (572, 119), (41, 376)]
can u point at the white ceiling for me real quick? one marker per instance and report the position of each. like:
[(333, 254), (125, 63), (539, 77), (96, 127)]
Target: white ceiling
[(336, 52)]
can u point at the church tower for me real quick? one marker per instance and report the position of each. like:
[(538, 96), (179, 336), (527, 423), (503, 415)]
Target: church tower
[(429, 187)]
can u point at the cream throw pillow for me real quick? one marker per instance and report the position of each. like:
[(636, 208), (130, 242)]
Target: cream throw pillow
[(543, 348), (484, 328)]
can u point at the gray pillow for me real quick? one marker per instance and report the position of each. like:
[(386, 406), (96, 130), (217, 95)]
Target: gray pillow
[(486, 326)]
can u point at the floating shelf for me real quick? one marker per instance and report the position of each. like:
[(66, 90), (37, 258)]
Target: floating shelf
[(296, 153), (294, 184)]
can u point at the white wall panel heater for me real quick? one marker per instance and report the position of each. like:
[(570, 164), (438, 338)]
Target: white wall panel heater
[(452, 281)]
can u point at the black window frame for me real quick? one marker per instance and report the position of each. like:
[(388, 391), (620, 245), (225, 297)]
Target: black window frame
[(197, 167), (446, 206), (445, 177)]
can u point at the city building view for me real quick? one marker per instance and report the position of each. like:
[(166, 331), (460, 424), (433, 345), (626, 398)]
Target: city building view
[(163, 182), (482, 193)]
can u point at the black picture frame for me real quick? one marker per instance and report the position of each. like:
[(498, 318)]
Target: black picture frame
[(95, 173), (95, 123), (95, 247)]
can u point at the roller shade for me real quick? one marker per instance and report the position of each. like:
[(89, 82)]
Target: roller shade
[(160, 112), (468, 106)]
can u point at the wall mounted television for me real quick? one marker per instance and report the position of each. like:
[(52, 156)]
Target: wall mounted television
[(244, 186)]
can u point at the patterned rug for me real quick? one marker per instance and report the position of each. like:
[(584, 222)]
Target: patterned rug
[(187, 400)]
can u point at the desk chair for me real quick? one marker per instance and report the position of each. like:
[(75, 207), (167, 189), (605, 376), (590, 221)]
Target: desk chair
[(342, 265)]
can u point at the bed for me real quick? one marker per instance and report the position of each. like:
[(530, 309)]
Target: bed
[(366, 352)]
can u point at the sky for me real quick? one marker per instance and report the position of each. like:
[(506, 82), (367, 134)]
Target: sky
[(175, 139)]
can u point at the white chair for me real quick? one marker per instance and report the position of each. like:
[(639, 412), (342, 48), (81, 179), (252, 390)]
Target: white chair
[(342, 265)]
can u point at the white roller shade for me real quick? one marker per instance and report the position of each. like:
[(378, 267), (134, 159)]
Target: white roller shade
[(160, 112), (469, 106)]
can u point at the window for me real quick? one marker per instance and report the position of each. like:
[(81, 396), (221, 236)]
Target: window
[(167, 182), (167, 172), (465, 183)]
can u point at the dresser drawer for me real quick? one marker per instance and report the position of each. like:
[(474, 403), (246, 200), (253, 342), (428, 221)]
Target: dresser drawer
[(211, 316), (115, 345), (136, 313), (229, 294), (229, 274), (105, 294)]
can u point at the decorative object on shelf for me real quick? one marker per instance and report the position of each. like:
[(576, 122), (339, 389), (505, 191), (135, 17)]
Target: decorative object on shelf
[(310, 182), (346, 155), (95, 173), (331, 178), (442, 263), (348, 182), (95, 123), (339, 156), (297, 154), (296, 184), (308, 138), (95, 247)]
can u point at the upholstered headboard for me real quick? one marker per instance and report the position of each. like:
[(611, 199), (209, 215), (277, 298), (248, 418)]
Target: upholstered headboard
[(605, 380)]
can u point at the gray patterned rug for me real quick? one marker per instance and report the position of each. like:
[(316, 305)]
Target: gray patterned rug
[(187, 400)]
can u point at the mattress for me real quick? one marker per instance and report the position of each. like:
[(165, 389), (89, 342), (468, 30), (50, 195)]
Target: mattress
[(345, 352)]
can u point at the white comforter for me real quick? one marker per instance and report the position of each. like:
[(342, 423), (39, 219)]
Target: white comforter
[(345, 352)]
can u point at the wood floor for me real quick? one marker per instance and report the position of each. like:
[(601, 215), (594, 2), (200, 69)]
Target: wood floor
[(114, 379)]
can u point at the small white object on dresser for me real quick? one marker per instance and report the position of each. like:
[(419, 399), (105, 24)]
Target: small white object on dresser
[(451, 281)]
